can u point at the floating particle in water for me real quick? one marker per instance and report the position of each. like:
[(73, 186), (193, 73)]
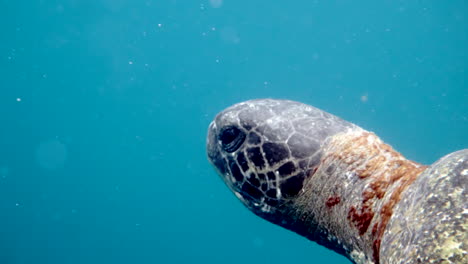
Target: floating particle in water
[(18, 99), (364, 98), (51, 154)]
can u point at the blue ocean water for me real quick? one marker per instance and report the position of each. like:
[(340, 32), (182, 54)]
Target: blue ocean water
[(104, 107)]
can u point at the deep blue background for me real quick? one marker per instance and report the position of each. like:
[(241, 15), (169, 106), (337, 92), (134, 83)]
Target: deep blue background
[(104, 107)]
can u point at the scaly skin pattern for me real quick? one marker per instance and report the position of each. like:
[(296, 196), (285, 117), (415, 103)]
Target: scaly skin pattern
[(340, 185), (430, 223)]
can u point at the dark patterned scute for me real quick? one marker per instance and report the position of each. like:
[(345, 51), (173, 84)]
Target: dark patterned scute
[(242, 161), (287, 169), (292, 186), (271, 193), (261, 176), (255, 155), (271, 175), (275, 152), (235, 171), (247, 188), (254, 181)]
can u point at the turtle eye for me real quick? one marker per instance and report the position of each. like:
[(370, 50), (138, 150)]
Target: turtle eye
[(231, 138)]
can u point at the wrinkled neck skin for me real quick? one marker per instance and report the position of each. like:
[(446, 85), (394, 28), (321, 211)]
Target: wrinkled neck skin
[(348, 199)]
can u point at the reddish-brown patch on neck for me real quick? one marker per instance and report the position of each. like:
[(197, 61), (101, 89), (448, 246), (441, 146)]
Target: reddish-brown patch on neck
[(361, 218), (332, 201), (379, 166)]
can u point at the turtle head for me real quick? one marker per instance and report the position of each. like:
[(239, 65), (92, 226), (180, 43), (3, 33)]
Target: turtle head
[(264, 150)]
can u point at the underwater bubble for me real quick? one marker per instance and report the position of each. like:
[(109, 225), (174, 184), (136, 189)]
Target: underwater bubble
[(51, 154), (364, 98)]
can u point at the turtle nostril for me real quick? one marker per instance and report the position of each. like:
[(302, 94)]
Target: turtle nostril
[(231, 138)]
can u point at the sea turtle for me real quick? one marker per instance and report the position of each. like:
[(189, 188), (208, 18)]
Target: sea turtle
[(340, 185)]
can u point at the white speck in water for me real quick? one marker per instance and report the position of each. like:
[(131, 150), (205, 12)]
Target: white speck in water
[(130, 62), (17, 204), (51, 154), (213, 29), (217, 60), (18, 99), (159, 25), (364, 98)]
